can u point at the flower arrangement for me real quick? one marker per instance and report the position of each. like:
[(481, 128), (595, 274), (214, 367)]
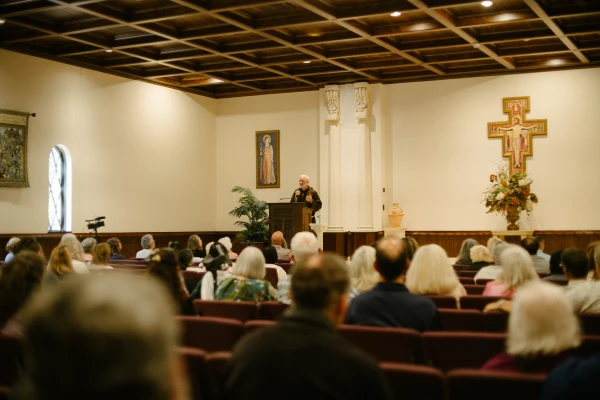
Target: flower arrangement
[(509, 190)]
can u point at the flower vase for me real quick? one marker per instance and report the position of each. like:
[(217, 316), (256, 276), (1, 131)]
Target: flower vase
[(512, 217), (395, 216)]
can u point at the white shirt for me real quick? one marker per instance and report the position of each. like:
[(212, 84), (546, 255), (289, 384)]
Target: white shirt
[(489, 272), (144, 253), (280, 271), (80, 267), (207, 290), (584, 296)]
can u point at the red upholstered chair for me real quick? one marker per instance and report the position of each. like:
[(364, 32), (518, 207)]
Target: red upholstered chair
[(216, 367), (461, 320), (271, 276), (210, 333), (385, 344), (477, 302), (496, 321), (197, 367), (272, 310), (444, 301), (415, 382), (11, 359), (466, 280), (450, 350), (251, 326), (474, 289), (240, 310), (590, 323), (467, 274), (468, 384)]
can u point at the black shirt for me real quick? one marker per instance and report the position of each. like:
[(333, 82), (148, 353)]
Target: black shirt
[(391, 304), (301, 198)]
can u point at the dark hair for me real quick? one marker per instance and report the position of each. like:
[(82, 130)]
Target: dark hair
[(184, 257), (540, 239), (270, 254), (391, 260), (113, 242), (28, 243), (20, 277), (531, 245), (464, 258), (163, 265), (319, 282), (555, 263), (575, 262), (409, 245)]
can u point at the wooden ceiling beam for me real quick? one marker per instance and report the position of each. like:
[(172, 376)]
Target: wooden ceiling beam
[(26, 8), (493, 19), (407, 28), (539, 11)]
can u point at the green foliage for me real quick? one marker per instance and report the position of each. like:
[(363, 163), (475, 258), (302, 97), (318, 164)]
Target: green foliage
[(505, 190), (256, 229)]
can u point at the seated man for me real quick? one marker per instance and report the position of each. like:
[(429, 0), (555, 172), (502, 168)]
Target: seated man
[(148, 245), (301, 356), (116, 337), (583, 295), (540, 264), (389, 303), (277, 242), (304, 245), (88, 245)]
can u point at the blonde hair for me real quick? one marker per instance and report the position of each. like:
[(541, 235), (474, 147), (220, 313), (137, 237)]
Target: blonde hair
[(492, 241), (541, 322), (362, 272), (430, 272), (70, 241), (517, 267), (480, 253), (250, 264), (60, 260)]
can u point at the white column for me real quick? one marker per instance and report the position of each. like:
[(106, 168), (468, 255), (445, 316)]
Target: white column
[(363, 160), (332, 101)]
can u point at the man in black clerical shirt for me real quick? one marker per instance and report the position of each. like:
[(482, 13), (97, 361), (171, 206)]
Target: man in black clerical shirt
[(307, 195), (390, 303)]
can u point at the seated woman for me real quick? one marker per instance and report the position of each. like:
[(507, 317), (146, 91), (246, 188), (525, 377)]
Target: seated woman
[(248, 282), (362, 270), (517, 269), (271, 258), (194, 244), (542, 331), (556, 271), (60, 265), (492, 271), (115, 249), (481, 257), (591, 250), (464, 258), (218, 268), (185, 258), (9, 248), (20, 279), (226, 241), (100, 257), (430, 273), (88, 246), (163, 265), (76, 252)]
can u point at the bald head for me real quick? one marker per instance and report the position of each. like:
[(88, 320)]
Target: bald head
[(390, 258), (277, 238)]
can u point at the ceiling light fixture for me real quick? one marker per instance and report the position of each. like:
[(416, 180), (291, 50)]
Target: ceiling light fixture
[(109, 50), (486, 3), (2, 21), (306, 62), (526, 40), (396, 14)]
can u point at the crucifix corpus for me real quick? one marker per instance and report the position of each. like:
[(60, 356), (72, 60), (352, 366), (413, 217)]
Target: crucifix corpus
[(517, 133)]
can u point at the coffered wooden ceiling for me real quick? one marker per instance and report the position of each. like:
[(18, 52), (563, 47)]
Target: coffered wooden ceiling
[(227, 48)]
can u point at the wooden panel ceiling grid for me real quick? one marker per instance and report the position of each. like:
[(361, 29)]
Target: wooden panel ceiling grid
[(227, 48)]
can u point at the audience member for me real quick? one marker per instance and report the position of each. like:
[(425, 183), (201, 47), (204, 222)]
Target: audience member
[(271, 257), (148, 245), (60, 265), (431, 273), (411, 247), (76, 252), (517, 269), (362, 270), (542, 331), (492, 271), (464, 258), (9, 248), (592, 249), (226, 241), (577, 378), (542, 246), (113, 337), (20, 278), (481, 257), (302, 354), (218, 265), (28, 243), (88, 246), (304, 245), (100, 257), (277, 241), (540, 264), (185, 259), (491, 242), (584, 295), (163, 265), (556, 271), (247, 282), (115, 249), (194, 244), (390, 303)]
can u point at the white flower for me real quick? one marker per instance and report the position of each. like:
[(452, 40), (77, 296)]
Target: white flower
[(523, 182), (529, 205), (500, 196)]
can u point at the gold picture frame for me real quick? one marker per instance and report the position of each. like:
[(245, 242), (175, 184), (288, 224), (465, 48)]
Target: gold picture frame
[(13, 148), (267, 159)]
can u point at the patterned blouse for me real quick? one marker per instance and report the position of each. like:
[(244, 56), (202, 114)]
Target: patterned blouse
[(235, 289)]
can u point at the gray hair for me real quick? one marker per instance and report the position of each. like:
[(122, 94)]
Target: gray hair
[(250, 264), (491, 242), (362, 271), (11, 243), (88, 244), (88, 321), (305, 177), (464, 257), (304, 245), (72, 244), (480, 253), (497, 250), (147, 241), (541, 322), (517, 267)]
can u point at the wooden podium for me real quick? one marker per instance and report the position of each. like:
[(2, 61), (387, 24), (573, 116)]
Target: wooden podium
[(289, 218)]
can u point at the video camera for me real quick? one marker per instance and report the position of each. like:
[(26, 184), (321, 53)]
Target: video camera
[(95, 223)]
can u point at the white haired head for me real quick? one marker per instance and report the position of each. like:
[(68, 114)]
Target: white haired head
[(491, 242), (226, 241), (362, 271), (147, 241), (517, 267), (430, 272), (250, 264), (541, 322), (304, 245), (497, 249), (72, 244), (480, 253), (11, 244), (88, 244), (305, 177)]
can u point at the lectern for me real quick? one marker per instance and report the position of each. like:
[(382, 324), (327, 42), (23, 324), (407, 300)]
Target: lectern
[(289, 218)]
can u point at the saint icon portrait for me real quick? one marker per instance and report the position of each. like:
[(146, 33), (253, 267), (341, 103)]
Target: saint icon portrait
[(267, 152)]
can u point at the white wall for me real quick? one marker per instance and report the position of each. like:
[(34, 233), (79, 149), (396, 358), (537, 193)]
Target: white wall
[(443, 157), (295, 115), (142, 154)]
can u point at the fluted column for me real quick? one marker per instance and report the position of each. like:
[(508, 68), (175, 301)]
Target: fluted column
[(363, 161), (332, 100)]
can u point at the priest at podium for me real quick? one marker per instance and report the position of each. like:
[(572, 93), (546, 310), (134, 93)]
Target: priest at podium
[(307, 195)]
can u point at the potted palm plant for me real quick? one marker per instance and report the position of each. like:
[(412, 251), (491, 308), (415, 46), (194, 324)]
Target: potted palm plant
[(256, 229)]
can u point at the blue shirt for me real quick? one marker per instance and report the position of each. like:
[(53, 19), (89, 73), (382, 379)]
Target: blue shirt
[(9, 257), (391, 304)]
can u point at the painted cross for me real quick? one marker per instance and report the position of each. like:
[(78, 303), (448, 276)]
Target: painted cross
[(517, 133)]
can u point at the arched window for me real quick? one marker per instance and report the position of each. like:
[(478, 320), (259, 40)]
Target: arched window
[(59, 190)]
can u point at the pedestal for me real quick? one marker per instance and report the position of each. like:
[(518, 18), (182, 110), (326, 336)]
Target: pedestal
[(400, 232), (319, 229)]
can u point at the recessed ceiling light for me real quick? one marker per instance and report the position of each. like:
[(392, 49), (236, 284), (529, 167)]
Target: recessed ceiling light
[(486, 3), (109, 50), (396, 14), (216, 80), (306, 62), (526, 40), (2, 21)]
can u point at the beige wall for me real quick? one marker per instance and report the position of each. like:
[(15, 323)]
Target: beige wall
[(142, 154)]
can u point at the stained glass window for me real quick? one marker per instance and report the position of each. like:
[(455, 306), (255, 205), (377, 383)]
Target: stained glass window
[(56, 190)]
